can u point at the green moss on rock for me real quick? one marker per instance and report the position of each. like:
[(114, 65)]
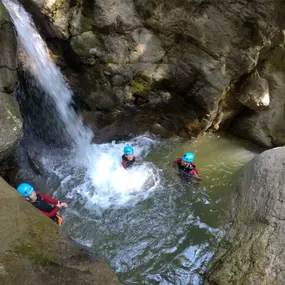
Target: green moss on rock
[(32, 246), (57, 5), (34, 252), (28, 251), (87, 46), (140, 86), (86, 24), (3, 14)]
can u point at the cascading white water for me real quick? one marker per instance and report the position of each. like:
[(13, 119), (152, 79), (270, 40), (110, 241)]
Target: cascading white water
[(103, 182), (47, 73)]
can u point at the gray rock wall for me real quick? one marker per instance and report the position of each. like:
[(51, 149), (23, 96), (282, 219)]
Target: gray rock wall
[(213, 58), (253, 250), (34, 252), (10, 117), (263, 121)]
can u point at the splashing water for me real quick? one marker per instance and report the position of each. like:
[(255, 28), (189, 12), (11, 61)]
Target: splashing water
[(47, 73), (106, 183), (103, 180)]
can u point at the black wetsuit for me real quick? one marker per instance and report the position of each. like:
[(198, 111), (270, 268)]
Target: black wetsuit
[(42, 203), (127, 163)]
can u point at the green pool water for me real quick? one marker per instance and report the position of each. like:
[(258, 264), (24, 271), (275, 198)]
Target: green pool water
[(168, 237)]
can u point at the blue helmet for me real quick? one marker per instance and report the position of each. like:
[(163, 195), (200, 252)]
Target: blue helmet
[(25, 189), (128, 150), (188, 157)]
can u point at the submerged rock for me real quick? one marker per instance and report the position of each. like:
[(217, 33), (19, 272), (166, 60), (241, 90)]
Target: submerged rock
[(159, 130), (252, 252), (33, 251)]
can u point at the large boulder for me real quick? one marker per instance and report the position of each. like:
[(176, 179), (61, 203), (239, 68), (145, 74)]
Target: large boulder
[(10, 117), (265, 92), (201, 52), (33, 251), (7, 52), (255, 92), (10, 125), (252, 252)]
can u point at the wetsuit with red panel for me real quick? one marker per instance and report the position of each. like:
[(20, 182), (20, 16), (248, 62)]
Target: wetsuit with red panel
[(43, 204), (127, 163), (189, 170)]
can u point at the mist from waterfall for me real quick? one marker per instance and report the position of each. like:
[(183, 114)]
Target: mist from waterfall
[(103, 180)]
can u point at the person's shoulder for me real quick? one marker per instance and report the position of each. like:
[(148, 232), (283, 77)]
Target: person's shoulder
[(39, 195)]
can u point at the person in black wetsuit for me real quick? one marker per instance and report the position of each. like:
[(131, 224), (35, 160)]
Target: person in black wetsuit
[(128, 158), (186, 167), (42, 202)]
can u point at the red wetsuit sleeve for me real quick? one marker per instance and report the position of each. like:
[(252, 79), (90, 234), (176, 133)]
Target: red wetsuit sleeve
[(48, 198), (176, 162), (194, 172), (124, 164)]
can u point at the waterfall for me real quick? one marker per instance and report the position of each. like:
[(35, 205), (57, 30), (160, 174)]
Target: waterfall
[(93, 171), (48, 74)]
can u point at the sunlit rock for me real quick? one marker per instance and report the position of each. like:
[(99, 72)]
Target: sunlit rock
[(252, 251)]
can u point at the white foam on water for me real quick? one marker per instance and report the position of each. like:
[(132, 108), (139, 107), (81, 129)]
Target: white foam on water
[(93, 171), (106, 183)]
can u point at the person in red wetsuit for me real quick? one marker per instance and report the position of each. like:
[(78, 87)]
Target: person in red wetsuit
[(128, 158), (42, 202), (187, 167)]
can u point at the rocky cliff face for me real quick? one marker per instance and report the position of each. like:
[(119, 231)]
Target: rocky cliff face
[(34, 252), (188, 65), (253, 250), (10, 118), (262, 121)]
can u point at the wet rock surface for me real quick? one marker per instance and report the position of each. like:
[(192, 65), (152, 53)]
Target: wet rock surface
[(217, 60), (33, 251), (10, 117), (11, 125), (252, 251)]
